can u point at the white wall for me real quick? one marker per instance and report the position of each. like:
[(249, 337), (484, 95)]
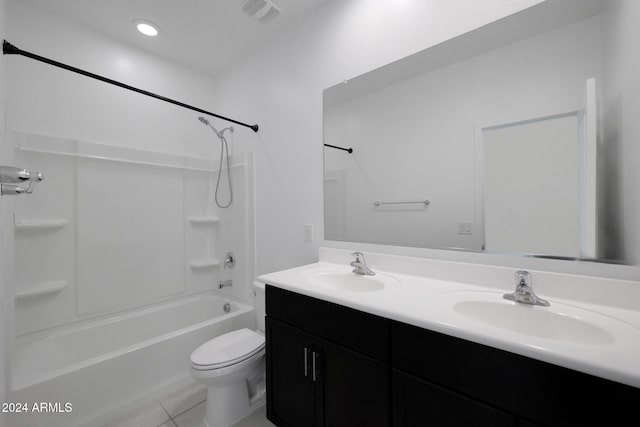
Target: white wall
[(50, 101), (620, 146), (414, 140)]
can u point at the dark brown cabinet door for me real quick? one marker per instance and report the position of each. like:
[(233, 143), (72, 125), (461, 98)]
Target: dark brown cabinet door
[(353, 389), (313, 382), (291, 390)]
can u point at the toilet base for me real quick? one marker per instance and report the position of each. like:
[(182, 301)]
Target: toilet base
[(228, 403), (245, 413)]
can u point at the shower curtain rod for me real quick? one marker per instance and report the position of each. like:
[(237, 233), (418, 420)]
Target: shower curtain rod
[(9, 49), (348, 150)]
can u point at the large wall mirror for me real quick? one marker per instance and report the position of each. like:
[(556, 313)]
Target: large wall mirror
[(521, 137)]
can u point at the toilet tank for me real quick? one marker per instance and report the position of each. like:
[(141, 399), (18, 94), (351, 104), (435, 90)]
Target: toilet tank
[(259, 300)]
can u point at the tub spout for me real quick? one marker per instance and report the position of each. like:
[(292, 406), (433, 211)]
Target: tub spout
[(224, 283)]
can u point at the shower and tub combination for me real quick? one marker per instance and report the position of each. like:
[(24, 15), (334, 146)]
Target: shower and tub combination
[(110, 302), (123, 263)]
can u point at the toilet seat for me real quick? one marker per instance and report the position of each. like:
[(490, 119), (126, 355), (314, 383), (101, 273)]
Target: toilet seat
[(226, 350)]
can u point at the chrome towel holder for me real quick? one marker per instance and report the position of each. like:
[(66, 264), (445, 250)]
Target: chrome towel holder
[(379, 203)]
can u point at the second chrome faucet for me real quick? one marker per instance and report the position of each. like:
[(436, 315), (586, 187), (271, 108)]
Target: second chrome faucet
[(360, 266), (524, 291)]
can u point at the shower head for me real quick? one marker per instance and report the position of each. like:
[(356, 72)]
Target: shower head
[(206, 123), (224, 146), (219, 134)]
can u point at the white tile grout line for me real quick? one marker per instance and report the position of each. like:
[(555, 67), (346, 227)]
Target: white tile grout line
[(168, 415), (177, 415)]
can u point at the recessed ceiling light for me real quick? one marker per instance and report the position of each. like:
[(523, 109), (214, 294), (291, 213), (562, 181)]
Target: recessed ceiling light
[(146, 27)]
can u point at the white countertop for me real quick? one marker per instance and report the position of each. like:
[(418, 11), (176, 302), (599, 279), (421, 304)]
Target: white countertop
[(425, 302)]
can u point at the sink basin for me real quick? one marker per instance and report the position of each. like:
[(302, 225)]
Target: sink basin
[(348, 281), (559, 322)]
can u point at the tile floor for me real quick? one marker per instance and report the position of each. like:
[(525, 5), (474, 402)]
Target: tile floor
[(185, 408)]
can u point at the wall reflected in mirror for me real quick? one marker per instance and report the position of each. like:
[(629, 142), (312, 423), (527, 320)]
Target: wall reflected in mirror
[(522, 135)]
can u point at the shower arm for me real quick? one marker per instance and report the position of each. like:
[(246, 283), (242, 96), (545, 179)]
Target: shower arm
[(9, 49)]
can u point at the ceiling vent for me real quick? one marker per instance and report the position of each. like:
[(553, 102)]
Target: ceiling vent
[(261, 10)]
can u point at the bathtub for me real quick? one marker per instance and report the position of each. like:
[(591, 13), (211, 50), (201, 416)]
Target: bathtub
[(105, 367)]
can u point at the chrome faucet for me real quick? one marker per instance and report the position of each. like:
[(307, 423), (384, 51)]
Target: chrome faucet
[(360, 266), (524, 291)]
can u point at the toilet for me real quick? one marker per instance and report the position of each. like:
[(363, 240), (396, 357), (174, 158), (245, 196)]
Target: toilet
[(232, 368)]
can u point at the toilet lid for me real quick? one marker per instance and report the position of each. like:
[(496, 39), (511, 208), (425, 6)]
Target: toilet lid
[(228, 349)]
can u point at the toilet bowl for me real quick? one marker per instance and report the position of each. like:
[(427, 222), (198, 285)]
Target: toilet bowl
[(232, 368)]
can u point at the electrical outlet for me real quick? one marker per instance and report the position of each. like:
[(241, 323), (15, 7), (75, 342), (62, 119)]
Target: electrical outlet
[(308, 232), (464, 227)]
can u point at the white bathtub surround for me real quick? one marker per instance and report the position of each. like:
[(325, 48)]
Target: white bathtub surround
[(166, 254), (426, 290), (109, 366)]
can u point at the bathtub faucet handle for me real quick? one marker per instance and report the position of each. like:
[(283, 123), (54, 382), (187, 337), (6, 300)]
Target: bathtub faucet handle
[(225, 283), (229, 260)]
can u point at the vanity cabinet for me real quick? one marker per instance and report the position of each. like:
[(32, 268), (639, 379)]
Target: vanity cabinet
[(327, 365), (500, 384), (371, 371)]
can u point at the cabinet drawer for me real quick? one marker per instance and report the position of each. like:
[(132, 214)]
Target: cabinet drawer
[(353, 329), (544, 393), (419, 403)]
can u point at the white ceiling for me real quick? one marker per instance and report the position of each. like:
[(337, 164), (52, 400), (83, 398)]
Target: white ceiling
[(204, 34)]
